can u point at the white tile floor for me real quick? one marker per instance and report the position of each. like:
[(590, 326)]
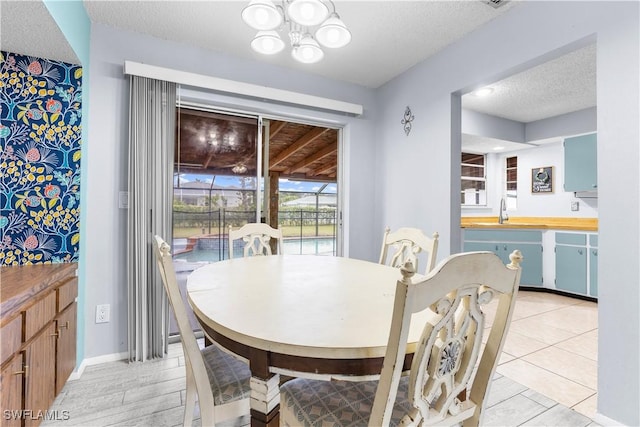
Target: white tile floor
[(546, 376), (552, 348)]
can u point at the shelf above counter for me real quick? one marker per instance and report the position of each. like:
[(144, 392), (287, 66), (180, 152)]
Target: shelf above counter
[(539, 223)]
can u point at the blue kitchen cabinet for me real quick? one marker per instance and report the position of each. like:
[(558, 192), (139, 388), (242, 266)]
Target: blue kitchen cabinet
[(593, 265), (504, 242), (580, 163), (571, 262)]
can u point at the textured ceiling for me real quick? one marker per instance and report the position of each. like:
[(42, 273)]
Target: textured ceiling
[(556, 87), (389, 37), (17, 33)]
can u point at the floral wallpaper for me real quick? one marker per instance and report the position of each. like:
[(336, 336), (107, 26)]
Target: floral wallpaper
[(40, 137)]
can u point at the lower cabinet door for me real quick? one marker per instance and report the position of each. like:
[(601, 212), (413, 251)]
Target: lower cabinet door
[(11, 384), (593, 272), (40, 382), (66, 351), (483, 246), (531, 262), (571, 269)]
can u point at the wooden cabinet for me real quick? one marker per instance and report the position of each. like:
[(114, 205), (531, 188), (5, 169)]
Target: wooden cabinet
[(38, 321), (66, 345), (41, 377), (504, 242), (11, 382), (580, 163), (576, 263)]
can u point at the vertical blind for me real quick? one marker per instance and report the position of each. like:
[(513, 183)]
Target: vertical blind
[(151, 146)]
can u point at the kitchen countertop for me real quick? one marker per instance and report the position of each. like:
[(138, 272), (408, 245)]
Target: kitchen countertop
[(543, 223)]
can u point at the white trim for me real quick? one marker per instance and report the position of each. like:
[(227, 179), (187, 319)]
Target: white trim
[(239, 88), (114, 357), (605, 421)]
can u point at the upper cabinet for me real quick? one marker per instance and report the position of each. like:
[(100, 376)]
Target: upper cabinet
[(580, 163)]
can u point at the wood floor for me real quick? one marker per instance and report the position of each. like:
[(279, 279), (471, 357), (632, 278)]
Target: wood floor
[(152, 393)]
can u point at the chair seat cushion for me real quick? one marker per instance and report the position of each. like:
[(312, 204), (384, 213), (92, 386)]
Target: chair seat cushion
[(306, 402), (229, 377)]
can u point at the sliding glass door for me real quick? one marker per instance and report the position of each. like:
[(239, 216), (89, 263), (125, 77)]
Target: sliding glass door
[(216, 181)]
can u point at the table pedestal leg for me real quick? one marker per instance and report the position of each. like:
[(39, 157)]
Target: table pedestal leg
[(265, 401)]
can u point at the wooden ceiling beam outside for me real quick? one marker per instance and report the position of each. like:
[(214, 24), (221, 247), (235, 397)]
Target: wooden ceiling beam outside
[(306, 139), (320, 154), (209, 158), (324, 169), (275, 127)]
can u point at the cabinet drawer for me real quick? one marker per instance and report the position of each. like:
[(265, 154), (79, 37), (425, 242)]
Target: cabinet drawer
[(11, 334), (39, 314), (571, 239), (67, 294), (532, 236)]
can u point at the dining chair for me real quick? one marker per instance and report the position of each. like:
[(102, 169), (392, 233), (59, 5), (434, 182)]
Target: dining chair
[(450, 369), (405, 244), (219, 380), (256, 237)]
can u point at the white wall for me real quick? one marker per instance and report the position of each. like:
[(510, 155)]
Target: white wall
[(419, 174), (106, 155), (556, 204)]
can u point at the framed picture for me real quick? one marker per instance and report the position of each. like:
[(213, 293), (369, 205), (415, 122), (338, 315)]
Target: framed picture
[(542, 180)]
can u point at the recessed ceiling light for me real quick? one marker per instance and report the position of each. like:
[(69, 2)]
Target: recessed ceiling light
[(498, 148), (483, 92)]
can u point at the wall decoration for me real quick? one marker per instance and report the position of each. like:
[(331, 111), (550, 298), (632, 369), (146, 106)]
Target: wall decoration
[(407, 119), (40, 139), (542, 180)]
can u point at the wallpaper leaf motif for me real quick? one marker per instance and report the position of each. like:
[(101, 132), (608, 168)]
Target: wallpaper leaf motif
[(40, 141)]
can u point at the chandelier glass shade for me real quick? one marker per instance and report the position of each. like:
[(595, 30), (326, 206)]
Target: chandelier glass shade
[(299, 19), (267, 42)]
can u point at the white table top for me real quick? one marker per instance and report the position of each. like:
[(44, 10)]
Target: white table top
[(301, 305)]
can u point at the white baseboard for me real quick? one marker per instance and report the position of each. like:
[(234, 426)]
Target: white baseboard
[(605, 421), (97, 361)]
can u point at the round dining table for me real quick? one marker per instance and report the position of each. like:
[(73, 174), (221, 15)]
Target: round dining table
[(299, 315)]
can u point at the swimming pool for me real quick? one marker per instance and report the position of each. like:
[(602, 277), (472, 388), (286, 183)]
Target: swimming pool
[(211, 249)]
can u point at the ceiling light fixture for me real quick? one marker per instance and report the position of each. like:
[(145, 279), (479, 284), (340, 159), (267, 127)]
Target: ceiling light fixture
[(299, 19), (483, 92), (239, 168)]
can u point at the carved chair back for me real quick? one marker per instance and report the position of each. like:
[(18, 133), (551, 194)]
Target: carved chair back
[(449, 374), (405, 244), (256, 238)]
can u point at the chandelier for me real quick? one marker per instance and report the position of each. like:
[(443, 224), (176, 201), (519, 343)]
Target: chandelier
[(309, 24)]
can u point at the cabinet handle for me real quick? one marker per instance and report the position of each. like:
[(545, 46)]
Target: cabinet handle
[(580, 251), (66, 325), (25, 371), (594, 185), (595, 253), (56, 334)]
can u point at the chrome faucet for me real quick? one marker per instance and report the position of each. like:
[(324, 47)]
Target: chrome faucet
[(503, 212)]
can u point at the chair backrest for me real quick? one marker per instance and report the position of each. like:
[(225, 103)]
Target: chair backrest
[(193, 356), (442, 368), (256, 237), (405, 244)]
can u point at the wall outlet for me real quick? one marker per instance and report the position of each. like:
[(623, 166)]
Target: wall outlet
[(575, 206), (102, 313)]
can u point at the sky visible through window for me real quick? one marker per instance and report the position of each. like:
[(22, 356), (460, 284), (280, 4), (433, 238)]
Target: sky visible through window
[(231, 182)]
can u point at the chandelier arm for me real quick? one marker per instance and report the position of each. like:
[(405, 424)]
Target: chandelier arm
[(333, 5)]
